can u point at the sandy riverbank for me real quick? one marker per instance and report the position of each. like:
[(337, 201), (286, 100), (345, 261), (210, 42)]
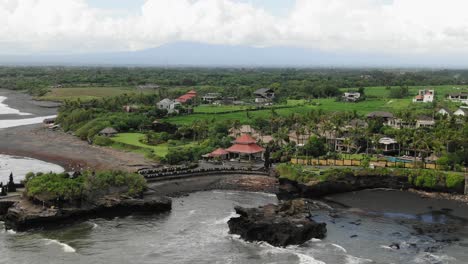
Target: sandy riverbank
[(65, 150)]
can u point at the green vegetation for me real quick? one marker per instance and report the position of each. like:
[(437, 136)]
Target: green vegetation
[(135, 139), (63, 188), (84, 93), (427, 179)]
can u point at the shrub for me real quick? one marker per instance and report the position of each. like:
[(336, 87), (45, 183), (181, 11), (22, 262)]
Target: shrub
[(102, 141), (53, 187), (454, 181)]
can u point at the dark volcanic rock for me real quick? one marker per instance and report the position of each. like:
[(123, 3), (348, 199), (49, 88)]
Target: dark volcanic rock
[(278, 225), (291, 189), (24, 215)]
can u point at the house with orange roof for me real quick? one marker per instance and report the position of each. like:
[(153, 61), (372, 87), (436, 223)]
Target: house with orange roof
[(424, 96), (187, 98)]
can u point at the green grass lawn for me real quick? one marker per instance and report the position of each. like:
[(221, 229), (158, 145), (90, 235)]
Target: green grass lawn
[(440, 90), (218, 108), (85, 93), (133, 139)]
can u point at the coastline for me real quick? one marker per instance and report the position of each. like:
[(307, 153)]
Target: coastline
[(66, 150)]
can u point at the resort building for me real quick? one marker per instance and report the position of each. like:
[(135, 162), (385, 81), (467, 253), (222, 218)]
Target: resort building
[(169, 105), (385, 116), (351, 97), (459, 97), (264, 95), (444, 111), (461, 112), (388, 145), (299, 138), (187, 98), (210, 98), (425, 121), (245, 147), (244, 129), (424, 96)]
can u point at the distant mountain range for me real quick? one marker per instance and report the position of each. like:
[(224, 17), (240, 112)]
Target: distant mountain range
[(206, 55)]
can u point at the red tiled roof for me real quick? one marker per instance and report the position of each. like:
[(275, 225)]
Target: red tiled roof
[(192, 92), (246, 149), (184, 98), (245, 139), (218, 152)]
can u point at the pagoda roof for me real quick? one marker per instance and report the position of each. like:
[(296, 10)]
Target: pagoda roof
[(218, 152), (245, 139), (245, 149)]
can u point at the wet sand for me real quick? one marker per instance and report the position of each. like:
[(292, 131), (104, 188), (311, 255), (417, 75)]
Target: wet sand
[(68, 151)]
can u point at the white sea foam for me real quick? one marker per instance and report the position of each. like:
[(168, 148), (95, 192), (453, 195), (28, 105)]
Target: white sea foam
[(192, 212), (306, 259), (66, 248), (432, 258), (303, 258), (339, 247), (23, 122), (5, 109), (355, 260), (226, 219), (386, 247), (11, 232)]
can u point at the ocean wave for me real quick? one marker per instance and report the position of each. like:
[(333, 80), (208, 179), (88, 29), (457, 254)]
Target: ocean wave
[(432, 258), (11, 232), (339, 247), (355, 260), (226, 219), (66, 248)]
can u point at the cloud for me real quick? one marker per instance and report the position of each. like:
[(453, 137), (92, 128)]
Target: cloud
[(380, 26)]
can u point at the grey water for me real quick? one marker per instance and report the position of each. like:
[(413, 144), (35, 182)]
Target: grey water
[(196, 231)]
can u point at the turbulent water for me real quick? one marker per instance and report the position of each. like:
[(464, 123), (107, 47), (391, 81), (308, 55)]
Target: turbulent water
[(196, 232)]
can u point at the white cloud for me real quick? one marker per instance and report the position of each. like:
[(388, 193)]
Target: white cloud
[(382, 26)]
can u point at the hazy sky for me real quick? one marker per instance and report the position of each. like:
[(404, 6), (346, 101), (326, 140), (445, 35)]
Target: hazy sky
[(432, 27)]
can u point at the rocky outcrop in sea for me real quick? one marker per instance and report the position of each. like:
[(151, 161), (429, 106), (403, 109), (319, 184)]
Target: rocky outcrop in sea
[(289, 223)]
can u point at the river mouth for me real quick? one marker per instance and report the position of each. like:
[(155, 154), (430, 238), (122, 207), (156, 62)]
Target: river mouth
[(20, 166), (196, 231), (19, 109)]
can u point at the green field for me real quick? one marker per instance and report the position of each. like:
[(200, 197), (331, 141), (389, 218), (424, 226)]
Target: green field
[(218, 108), (84, 93), (440, 90), (133, 139), (377, 101)]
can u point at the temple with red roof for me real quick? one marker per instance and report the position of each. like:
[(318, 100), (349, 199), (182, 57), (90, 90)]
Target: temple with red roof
[(187, 98), (246, 146)]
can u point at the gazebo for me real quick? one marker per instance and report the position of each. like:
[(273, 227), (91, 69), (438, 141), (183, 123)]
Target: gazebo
[(246, 146), (108, 132), (219, 153)]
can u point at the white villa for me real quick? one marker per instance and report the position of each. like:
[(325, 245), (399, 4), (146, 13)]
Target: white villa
[(424, 96), (444, 111), (461, 112), (351, 97), (169, 105)]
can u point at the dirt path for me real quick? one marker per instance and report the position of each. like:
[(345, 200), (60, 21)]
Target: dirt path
[(66, 150)]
